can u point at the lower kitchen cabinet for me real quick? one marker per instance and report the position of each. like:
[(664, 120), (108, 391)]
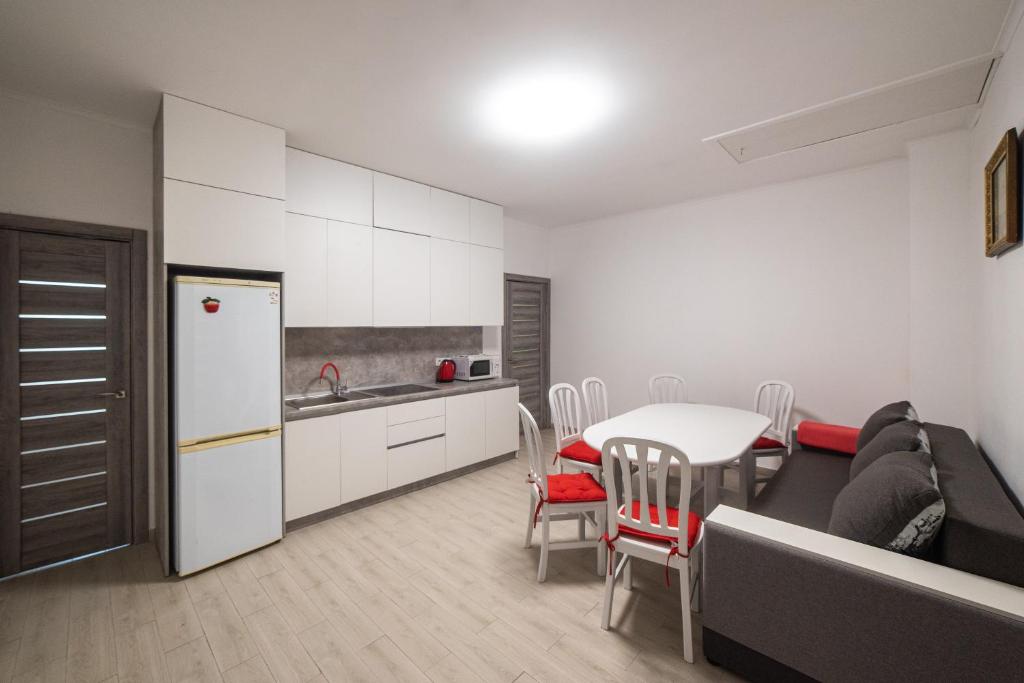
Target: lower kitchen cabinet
[(311, 466), (415, 461), (336, 459), (364, 453), (502, 421), (465, 430)]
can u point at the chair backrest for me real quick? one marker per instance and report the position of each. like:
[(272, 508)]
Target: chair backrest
[(667, 388), (653, 459), (595, 400), (566, 416), (774, 400), (531, 435)]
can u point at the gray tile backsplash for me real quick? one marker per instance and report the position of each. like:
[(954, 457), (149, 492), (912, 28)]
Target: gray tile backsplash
[(371, 355)]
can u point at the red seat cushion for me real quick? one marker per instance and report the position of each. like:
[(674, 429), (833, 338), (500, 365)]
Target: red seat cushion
[(829, 437), (763, 443), (578, 450), (574, 488), (692, 526)]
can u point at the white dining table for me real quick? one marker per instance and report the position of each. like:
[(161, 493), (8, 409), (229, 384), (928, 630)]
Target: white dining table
[(709, 436)]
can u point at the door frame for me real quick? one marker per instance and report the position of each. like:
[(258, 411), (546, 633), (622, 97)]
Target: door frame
[(544, 419), (137, 241)]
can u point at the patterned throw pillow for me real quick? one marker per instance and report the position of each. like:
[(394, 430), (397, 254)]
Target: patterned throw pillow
[(882, 418), (895, 503), (901, 436)]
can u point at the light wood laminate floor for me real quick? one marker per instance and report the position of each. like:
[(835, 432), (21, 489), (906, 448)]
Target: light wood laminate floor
[(434, 585)]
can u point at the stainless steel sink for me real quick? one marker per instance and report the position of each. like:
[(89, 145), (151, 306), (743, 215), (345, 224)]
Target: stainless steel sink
[(308, 402), (400, 390)]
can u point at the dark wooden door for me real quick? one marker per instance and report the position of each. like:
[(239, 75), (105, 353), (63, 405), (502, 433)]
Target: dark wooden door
[(65, 372), (527, 338)]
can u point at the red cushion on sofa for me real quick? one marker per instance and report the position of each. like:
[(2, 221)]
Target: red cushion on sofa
[(763, 443), (692, 526), (830, 437), (574, 488), (578, 450)]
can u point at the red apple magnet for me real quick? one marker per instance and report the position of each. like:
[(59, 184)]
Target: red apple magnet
[(211, 304)]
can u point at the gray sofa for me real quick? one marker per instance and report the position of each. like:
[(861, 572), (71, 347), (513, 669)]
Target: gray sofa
[(785, 601)]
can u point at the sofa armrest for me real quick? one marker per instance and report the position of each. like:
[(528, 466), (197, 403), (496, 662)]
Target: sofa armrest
[(833, 609)]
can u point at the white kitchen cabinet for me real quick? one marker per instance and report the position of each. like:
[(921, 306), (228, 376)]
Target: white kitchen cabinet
[(414, 411), (486, 285), (215, 148), (449, 215), (364, 453), (449, 282), (486, 224), (415, 462), (465, 430), (502, 421), (401, 279), (305, 271), (205, 226), (318, 186), (349, 283), (400, 204), (312, 466)]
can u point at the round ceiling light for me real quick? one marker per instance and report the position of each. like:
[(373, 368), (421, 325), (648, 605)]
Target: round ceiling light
[(545, 108)]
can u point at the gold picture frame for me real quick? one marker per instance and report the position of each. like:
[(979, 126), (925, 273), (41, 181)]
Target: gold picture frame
[(1002, 196)]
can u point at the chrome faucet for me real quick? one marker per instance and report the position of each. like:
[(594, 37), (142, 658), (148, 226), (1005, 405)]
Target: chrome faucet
[(339, 388)]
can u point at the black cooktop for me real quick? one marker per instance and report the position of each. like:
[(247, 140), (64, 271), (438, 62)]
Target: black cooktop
[(399, 390)]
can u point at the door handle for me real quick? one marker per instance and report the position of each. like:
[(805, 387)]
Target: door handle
[(114, 394)]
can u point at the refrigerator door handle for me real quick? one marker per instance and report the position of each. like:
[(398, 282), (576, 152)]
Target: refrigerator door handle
[(185, 447)]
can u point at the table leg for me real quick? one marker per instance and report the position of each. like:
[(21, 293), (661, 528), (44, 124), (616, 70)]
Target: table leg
[(748, 478), (712, 483)]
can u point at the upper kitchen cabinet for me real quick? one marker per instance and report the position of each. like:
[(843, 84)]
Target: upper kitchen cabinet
[(400, 204), (204, 226), (305, 297), (449, 282), (449, 215), (486, 285), (401, 279), (211, 147), (486, 224), (318, 186), (349, 275)]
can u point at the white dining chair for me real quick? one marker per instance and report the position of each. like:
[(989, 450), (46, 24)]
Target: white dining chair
[(667, 388), (651, 530), (595, 400), (567, 419), (555, 497), (774, 399)]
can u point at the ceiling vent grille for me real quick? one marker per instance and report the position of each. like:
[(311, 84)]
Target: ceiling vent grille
[(933, 92)]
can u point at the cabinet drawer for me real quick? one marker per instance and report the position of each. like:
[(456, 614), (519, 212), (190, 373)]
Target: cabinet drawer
[(415, 431), (418, 410), (415, 462)]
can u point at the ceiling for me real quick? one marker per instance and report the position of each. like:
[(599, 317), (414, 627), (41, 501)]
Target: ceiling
[(394, 84)]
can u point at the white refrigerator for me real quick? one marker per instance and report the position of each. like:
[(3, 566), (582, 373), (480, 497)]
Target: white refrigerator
[(227, 418)]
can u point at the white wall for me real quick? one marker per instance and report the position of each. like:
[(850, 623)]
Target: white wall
[(526, 249), (59, 164), (805, 281), (942, 279), (999, 303)]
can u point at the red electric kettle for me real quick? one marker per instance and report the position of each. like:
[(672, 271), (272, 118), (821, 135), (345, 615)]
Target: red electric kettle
[(446, 370)]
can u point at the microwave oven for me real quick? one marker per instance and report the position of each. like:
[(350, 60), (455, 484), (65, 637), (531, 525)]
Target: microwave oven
[(476, 367)]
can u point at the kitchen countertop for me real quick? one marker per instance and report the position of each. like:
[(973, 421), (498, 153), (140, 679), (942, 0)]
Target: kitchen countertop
[(441, 390)]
